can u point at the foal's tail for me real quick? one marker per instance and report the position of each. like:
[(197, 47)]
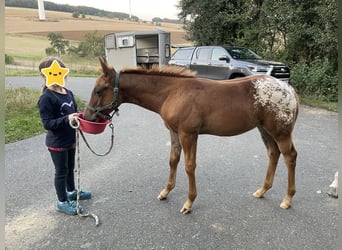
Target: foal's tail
[(296, 112), (297, 108)]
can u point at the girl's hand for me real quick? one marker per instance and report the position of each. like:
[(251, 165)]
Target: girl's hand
[(71, 116), (73, 120)]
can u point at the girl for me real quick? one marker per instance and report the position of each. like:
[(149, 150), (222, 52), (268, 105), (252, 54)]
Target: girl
[(57, 107)]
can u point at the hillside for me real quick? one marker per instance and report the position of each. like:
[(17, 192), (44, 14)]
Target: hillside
[(26, 36), (32, 4), (25, 21)]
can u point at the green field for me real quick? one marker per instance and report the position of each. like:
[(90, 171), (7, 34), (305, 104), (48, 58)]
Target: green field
[(29, 50)]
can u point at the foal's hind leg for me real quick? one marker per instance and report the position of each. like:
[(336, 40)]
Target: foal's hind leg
[(273, 157), (290, 155), (174, 159)]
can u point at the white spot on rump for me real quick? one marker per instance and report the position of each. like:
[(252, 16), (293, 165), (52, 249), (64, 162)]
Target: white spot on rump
[(276, 96)]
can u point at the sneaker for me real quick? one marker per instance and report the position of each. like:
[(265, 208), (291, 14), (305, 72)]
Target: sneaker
[(68, 207), (84, 195)]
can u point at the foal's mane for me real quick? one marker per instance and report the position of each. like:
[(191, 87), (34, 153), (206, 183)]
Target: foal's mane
[(163, 70)]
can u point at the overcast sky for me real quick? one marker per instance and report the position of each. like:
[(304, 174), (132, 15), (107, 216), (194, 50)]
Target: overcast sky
[(144, 9)]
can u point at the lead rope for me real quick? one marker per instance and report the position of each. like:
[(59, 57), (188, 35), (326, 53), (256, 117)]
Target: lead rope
[(74, 123), (111, 141)]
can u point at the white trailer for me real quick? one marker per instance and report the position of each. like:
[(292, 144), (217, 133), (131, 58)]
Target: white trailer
[(137, 48)]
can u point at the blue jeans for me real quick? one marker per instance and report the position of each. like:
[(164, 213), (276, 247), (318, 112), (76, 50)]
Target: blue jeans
[(64, 162)]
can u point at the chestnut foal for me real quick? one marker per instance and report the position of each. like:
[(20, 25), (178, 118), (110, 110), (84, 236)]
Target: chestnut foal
[(191, 106)]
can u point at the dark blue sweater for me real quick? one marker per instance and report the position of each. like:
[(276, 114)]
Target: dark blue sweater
[(54, 109)]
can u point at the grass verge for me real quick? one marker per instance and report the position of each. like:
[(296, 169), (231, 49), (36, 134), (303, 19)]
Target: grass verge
[(22, 119), (315, 102)]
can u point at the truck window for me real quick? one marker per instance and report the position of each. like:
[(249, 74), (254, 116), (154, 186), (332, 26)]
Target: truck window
[(203, 53), (217, 53), (242, 53), (183, 54)]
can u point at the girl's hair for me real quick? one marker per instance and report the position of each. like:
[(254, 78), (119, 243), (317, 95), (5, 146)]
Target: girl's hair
[(47, 63)]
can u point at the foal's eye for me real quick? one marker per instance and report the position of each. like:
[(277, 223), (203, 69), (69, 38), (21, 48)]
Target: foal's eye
[(98, 91)]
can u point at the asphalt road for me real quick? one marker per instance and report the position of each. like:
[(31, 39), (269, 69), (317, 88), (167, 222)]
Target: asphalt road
[(126, 183)]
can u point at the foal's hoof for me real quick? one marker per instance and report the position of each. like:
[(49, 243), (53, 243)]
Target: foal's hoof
[(333, 192), (160, 197), (285, 204), (185, 210), (163, 195), (186, 207), (258, 194)]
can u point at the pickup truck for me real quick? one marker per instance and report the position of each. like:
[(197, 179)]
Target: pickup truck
[(227, 62)]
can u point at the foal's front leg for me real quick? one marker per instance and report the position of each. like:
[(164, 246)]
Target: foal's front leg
[(189, 143), (175, 153)]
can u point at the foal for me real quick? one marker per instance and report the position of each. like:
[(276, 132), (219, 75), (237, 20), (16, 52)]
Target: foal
[(190, 106)]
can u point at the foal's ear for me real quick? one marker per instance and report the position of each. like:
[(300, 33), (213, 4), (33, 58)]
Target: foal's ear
[(105, 68), (103, 63)]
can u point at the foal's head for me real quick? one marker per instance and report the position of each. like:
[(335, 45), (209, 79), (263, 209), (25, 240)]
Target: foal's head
[(99, 105)]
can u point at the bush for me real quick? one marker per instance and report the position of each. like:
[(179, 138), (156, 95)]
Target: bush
[(50, 51), (75, 14), (9, 59), (317, 80)]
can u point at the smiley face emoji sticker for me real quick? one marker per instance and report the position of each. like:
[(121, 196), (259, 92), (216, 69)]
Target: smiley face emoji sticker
[(55, 74)]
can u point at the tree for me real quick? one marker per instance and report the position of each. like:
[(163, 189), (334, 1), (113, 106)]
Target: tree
[(300, 31), (76, 14), (91, 45), (313, 34), (213, 21), (58, 43)]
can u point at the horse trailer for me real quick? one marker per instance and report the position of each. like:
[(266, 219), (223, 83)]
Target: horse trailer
[(137, 48)]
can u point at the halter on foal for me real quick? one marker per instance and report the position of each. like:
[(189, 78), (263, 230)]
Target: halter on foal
[(191, 106)]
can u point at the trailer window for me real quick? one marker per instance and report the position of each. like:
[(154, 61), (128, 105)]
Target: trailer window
[(125, 41)]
